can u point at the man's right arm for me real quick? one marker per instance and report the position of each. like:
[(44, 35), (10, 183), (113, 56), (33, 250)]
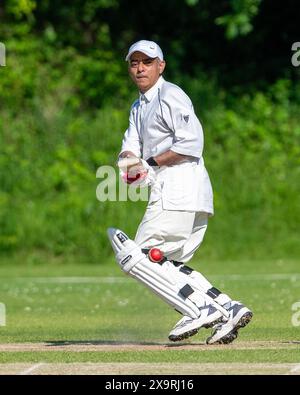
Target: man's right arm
[(131, 144)]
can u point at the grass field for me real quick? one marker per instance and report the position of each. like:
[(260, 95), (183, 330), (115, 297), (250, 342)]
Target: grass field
[(74, 319)]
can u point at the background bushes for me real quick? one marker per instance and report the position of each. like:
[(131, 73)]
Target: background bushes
[(64, 102)]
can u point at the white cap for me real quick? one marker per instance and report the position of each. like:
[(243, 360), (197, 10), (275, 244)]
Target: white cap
[(149, 48)]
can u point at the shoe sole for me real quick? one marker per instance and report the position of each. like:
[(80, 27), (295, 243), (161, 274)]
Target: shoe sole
[(192, 332), (185, 335), (233, 334)]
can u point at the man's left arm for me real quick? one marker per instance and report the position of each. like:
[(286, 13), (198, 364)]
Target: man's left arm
[(170, 158), (179, 115)]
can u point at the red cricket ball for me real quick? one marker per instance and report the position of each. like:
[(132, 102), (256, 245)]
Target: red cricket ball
[(155, 255), (130, 179)]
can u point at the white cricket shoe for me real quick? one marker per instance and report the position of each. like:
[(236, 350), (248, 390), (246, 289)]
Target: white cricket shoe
[(226, 332), (188, 326)]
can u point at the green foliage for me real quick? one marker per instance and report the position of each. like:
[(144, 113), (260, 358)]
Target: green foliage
[(239, 21), (191, 2), (68, 79), (48, 201), (64, 102), (19, 8)]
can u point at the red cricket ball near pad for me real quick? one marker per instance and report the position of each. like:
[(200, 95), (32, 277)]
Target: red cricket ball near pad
[(130, 179), (155, 255)]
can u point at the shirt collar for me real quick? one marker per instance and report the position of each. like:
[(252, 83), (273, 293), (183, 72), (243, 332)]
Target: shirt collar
[(148, 96)]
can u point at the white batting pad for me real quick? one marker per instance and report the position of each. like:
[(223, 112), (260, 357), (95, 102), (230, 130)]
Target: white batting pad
[(161, 280), (167, 281)]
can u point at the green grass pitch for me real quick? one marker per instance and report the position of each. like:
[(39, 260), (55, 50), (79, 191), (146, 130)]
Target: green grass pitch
[(97, 304)]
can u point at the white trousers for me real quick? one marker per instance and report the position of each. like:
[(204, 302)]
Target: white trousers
[(177, 233)]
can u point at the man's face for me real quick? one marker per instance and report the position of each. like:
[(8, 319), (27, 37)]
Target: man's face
[(144, 70)]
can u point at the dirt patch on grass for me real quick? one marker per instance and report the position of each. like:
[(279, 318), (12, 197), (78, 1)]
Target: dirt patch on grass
[(181, 369), (132, 368), (86, 346)]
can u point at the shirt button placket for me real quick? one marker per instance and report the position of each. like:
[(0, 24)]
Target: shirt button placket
[(142, 109)]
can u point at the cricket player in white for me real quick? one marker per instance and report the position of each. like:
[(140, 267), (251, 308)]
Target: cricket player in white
[(162, 148)]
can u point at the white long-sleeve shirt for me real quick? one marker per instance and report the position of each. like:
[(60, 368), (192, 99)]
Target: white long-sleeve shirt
[(163, 119)]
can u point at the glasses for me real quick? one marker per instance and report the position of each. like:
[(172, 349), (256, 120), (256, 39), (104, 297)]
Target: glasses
[(147, 62)]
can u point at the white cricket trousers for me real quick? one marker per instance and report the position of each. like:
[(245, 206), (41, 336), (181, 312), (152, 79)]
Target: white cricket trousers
[(177, 233)]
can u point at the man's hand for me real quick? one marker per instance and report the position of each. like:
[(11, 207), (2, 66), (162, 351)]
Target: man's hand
[(136, 171), (129, 163)]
